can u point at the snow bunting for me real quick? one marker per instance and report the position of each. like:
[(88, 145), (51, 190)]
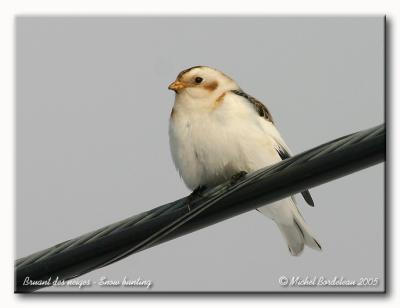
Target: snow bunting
[(217, 131)]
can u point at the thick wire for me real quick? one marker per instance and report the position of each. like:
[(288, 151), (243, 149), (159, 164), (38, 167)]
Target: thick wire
[(334, 145), (208, 199)]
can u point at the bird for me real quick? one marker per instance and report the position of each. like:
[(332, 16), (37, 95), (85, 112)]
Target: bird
[(217, 131)]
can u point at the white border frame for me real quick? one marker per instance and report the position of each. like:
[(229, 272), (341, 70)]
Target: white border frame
[(9, 9)]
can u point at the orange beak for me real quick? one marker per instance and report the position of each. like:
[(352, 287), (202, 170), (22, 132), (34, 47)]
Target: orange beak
[(177, 85)]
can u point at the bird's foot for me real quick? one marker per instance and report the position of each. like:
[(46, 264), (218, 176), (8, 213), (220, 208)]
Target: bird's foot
[(198, 192), (237, 177)]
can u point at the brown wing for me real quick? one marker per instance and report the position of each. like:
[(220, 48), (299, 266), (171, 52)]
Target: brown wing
[(260, 108)]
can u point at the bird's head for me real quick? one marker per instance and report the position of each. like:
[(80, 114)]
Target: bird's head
[(202, 83)]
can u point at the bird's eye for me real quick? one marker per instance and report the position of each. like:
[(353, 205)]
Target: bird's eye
[(198, 80)]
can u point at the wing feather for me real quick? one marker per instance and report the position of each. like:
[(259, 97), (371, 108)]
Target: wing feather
[(281, 148), (284, 154), (260, 107)]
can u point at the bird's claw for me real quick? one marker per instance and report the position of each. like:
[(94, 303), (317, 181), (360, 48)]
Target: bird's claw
[(238, 176), (195, 194)]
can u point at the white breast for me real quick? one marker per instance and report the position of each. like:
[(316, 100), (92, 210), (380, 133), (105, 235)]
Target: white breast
[(209, 147)]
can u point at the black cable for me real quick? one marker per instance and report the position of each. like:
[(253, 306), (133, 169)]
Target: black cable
[(116, 241)]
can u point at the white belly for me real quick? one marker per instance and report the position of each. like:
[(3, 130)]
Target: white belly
[(208, 150)]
